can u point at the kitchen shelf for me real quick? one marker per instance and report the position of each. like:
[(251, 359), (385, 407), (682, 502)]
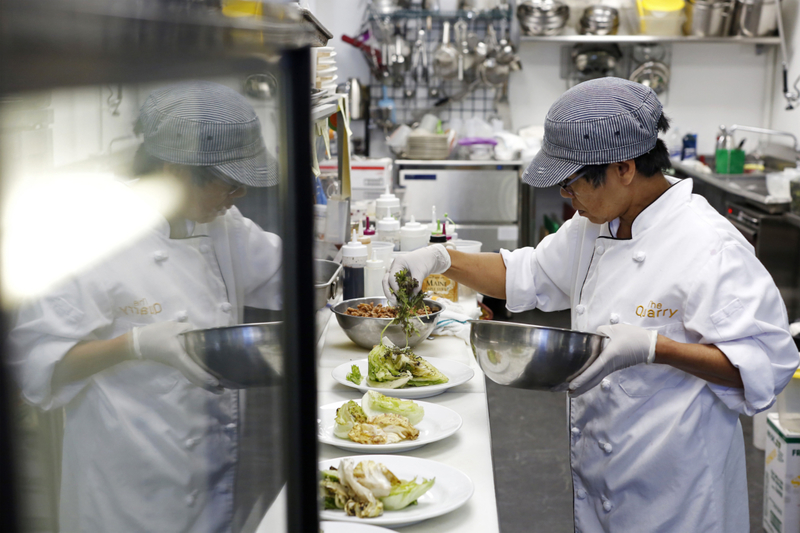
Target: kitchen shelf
[(494, 14), (636, 39)]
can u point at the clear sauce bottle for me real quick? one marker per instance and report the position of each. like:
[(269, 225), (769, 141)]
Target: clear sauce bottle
[(388, 231)]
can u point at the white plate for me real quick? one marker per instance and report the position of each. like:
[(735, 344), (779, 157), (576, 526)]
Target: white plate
[(344, 527), (326, 70), (451, 490), (438, 423), (458, 373)]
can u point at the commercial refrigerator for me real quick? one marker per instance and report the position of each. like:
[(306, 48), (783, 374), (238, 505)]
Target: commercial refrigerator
[(74, 74), (486, 199)]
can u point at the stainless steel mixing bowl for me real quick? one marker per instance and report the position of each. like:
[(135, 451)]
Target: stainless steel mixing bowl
[(243, 356), (532, 357), (366, 332)]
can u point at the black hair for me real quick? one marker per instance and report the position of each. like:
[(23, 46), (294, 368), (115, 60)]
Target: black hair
[(145, 164), (647, 164)]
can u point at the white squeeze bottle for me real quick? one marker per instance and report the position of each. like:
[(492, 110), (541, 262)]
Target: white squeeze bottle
[(373, 277), (413, 235), (387, 205), (389, 231)]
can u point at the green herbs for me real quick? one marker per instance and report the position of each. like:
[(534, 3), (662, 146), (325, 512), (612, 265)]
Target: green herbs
[(408, 303), (354, 375)]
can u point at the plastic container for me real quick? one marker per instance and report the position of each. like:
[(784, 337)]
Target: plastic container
[(387, 205), (383, 251), (789, 405), (354, 260), (388, 230), (373, 277), (469, 247), (413, 236), (320, 221), (661, 17)]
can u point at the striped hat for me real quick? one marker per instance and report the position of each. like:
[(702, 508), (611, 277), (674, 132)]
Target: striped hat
[(199, 123), (600, 121)]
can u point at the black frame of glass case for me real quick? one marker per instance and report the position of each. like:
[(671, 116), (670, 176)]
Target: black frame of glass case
[(46, 44)]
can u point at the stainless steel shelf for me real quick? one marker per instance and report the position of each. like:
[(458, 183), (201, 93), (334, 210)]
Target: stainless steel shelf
[(633, 39)]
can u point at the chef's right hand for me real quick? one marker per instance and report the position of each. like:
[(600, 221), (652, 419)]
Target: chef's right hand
[(161, 342), (420, 263)]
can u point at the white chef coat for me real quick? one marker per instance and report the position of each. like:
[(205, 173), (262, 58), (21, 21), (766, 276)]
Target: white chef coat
[(144, 449), (654, 448)]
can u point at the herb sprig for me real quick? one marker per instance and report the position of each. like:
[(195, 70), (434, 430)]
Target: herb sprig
[(408, 303)]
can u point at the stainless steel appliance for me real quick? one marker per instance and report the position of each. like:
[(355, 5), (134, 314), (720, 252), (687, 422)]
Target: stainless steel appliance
[(777, 245), (482, 197)]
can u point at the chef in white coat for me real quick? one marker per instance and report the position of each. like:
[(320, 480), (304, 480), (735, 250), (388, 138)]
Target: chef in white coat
[(698, 333), (150, 439)]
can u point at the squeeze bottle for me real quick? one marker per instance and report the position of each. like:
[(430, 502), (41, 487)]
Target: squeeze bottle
[(354, 259)]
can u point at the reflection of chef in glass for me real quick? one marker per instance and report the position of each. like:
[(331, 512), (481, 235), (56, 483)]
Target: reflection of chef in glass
[(697, 331), (150, 440)]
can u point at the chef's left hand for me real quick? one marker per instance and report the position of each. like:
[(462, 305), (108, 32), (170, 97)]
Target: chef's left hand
[(626, 346)]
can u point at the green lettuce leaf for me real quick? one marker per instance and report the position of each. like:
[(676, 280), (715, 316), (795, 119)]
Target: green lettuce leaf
[(374, 403), (406, 493), (346, 417)]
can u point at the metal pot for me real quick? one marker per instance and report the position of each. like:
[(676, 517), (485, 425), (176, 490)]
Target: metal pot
[(599, 20), (755, 18), (542, 17), (707, 18)]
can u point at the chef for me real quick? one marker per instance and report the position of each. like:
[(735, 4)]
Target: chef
[(697, 331), (150, 439)]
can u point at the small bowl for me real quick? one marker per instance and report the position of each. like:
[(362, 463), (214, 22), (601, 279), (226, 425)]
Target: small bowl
[(532, 357), (366, 332), (248, 355)]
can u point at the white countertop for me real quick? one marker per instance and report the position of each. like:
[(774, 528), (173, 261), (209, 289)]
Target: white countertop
[(469, 450)]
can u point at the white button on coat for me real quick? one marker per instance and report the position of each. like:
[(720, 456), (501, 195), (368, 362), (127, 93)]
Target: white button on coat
[(191, 442), (608, 448), (614, 318), (181, 316), (607, 505), (226, 307), (601, 250), (575, 432), (581, 494), (639, 256), (160, 256), (580, 309), (605, 384)]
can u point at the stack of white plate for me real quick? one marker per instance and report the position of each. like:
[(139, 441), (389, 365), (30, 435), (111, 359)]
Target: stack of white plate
[(324, 65), (423, 145)]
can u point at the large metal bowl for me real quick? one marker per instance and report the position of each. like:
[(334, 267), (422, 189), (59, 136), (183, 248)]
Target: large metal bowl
[(248, 355), (366, 332), (532, 357)]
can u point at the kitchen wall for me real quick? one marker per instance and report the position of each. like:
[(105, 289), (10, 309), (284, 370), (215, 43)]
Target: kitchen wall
[(712, 84), (780, 118)]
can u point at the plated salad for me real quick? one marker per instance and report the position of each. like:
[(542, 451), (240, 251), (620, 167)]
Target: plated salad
[(378, 420), (390, 367), (367, 489)]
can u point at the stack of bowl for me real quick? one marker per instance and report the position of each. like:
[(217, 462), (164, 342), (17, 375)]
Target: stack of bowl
[(324, 65)]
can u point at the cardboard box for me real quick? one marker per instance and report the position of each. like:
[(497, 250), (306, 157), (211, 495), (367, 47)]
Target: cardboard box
[(781, 479)]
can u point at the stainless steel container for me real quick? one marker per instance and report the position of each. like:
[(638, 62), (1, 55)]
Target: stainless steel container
[(366, 332), (248, 355), (755, 18), (599, 20), (532, 357), (542, 17), (707, 18)]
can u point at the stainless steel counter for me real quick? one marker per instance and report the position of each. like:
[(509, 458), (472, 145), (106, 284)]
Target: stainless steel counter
[(750, 187)]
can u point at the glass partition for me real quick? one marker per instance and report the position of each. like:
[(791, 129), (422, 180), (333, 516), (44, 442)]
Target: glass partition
[(144, 236)]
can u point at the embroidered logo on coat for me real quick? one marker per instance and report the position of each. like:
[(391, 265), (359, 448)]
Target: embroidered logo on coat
[(141, 307), (654, 310)]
